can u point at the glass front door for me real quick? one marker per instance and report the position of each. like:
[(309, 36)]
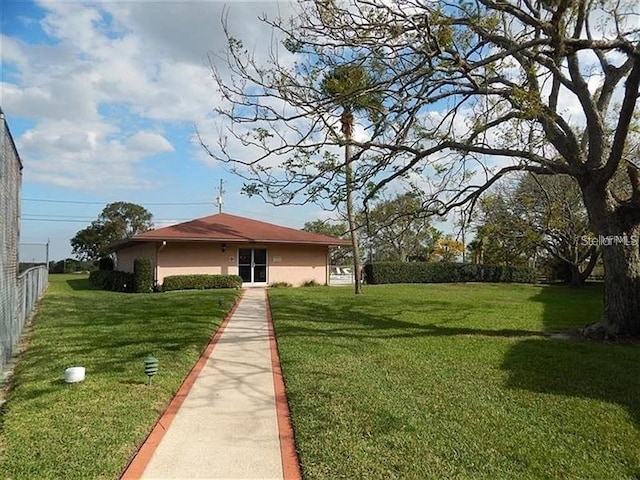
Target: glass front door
[(252, 265)]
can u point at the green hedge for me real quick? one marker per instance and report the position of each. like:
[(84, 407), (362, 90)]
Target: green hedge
[(433, 272), (200, 282), (142, 275), (106, 263), (97, 277), (113, 280)]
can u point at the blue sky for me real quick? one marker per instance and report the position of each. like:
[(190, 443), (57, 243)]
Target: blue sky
[(102, 100)]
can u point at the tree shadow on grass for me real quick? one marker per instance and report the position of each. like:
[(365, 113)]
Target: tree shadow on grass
[(537, 363), (79, 284), (581, 369), (111, 336), (349, 321), (575, 367)]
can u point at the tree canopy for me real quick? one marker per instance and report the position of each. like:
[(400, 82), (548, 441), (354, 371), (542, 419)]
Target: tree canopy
[(471, 91), (446, 249), (504, 233), (395, 229), (116, 222), (537, 218), (339, 255)]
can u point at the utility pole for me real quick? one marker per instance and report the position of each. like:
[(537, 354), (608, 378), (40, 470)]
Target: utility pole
[(220, 197)]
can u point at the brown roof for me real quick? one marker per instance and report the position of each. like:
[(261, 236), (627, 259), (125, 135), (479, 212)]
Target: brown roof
[(223, 227)]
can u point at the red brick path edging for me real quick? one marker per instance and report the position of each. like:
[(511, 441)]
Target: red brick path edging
[(290, 461)]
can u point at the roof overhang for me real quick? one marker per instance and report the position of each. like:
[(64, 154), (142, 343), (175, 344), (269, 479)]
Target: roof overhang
[(129, 242)]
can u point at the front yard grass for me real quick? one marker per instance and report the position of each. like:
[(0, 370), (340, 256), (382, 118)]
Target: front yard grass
[(456, 382), (53, 430)]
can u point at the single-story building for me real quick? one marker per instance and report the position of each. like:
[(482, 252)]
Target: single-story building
[(261, 253)]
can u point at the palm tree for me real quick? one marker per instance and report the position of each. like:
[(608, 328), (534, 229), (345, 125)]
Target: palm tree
[(351, 88)]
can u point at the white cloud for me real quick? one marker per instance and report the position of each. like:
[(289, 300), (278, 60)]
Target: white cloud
[(12, 51), (64, 136), (112, 77), (88, 157), (166, 223), (148, 143)]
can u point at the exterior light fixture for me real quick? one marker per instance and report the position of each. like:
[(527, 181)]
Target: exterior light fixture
[(150, 367), (223, 247)]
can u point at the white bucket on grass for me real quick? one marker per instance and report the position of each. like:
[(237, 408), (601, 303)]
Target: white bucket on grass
[(74, 374)]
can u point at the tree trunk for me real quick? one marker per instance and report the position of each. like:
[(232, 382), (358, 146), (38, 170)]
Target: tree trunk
[(351, 219), (347, 129), (618, 232), (621, 288), (579, 277), (575, 279)]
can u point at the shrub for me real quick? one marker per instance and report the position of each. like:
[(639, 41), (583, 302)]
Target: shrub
[(280, 285), (310, 283), (122, 281), (113, 280), (142, 275), (98, 277), (200, 282), (431, 272)]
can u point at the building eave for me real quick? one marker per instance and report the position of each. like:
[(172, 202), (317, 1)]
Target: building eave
[(249, 241)]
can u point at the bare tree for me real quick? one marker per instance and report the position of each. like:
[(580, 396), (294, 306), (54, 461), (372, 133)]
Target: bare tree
[(538, 214), (397, 231), (555, 210), (472, 91)]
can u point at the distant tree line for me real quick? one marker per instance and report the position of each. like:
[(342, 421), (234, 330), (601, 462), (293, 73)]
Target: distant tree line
[(535, 221), (71, 265)]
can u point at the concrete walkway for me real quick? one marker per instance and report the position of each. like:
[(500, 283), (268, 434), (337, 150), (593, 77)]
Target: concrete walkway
[(230, 420)]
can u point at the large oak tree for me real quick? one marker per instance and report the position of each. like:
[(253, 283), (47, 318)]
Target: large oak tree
[(117, 221), (472, 91)]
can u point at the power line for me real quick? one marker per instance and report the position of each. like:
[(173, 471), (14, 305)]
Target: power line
[(74, 217), (63, 219), (81, 202), (47, 200), (52, 220)]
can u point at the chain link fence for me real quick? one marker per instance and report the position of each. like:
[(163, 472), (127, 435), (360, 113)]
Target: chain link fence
[(18, 294), (29, 288)]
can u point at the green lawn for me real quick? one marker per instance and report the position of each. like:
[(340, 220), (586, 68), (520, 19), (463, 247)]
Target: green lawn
[(50, 429), (456, 381)]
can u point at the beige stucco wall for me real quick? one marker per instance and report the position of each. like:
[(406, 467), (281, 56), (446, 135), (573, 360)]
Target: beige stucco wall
[(294, 264), (195, 258), (126, 256)]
